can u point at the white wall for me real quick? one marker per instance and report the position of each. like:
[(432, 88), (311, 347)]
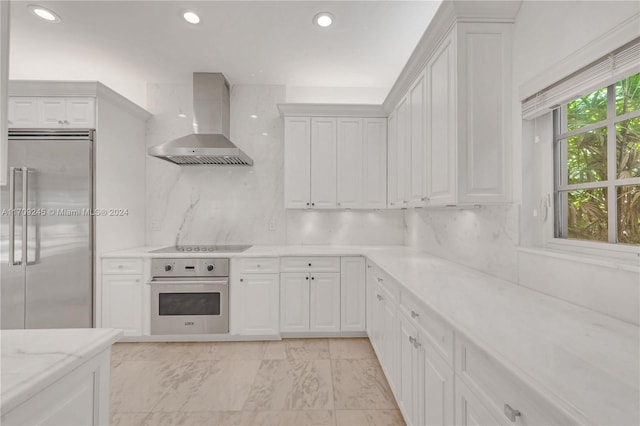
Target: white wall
[(223, 205), (337, 95)]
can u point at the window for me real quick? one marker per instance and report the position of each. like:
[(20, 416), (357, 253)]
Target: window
[(597, 165)]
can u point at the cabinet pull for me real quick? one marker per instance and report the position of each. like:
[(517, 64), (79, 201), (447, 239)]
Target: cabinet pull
[(313, 278), (66, 122), (511, 413), (380, 298), (241, 280), (313, 204), (411, 340), (307, 203), (306, 278), (60, 122), (380, 280), (369, 266), (414, 314), (258, 265)]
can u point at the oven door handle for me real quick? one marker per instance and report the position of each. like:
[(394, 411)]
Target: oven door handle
[(224, 281)]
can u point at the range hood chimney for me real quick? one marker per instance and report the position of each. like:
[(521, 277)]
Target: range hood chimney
[(209, 144)]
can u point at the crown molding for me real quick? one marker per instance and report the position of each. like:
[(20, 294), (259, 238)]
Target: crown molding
[(330, 110)]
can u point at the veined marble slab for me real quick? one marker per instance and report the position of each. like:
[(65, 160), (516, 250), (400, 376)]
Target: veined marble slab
[(34, 359), (585, 361)]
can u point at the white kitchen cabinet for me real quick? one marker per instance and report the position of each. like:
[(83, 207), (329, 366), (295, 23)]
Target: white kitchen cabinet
[(324, 302), (436, 391), (259, 304), (297, 162), (401, 155), (416, 143), (323, 162), (294, 302), (470, 411), (410, 368), (52, 112), (362, 163), (392, 159), (350, 163), (468, 116), (352, 294), (4, 82), (122, 295), (375, 163)]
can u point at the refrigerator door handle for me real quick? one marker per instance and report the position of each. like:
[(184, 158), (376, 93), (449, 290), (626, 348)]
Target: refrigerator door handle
[(12, 216), (25, 216)]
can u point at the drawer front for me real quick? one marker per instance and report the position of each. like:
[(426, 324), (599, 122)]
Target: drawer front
[(502, 392), (310, 264), (121, 266), (260, 265), (384, 281), (430, 324)]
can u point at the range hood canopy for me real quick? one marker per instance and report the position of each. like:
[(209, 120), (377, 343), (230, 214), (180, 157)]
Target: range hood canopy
[(209, 143)]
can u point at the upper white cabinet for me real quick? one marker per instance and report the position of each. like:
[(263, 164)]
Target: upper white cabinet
[(4, 80), (416, 143), (297, 162), (335, 161), (468, 119), (52, 112), (323, 162)]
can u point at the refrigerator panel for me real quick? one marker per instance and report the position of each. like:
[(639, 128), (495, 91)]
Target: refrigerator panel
[(12, 277), (59, 284)]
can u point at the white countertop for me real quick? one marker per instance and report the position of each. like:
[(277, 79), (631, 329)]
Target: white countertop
[(34, 359), (586, 361)]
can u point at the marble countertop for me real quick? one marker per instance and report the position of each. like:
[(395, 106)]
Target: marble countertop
[(34, 359), (585, 361)]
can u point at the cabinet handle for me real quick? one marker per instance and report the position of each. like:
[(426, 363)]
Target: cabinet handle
[(411, 339), (424, 199), (307, 203), (313, 204), (258, 265), (380, 298), (309, 264), (369, 266), (392, 204), (306, 278), (60, 122), (66, 122), (138, 280), (414, 314), (338, 203), (120, 266), (313, 278), (380, 280), (405, 202), (511, 413), (241, 280)]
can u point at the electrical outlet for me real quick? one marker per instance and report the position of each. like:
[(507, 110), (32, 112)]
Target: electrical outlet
[(272, 225)]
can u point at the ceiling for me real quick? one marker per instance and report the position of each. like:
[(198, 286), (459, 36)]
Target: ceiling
[(132, 43)]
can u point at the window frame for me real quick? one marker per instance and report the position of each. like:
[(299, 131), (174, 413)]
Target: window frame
[(561, 187)]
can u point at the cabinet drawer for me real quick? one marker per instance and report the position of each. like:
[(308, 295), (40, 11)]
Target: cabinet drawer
[(310, 264), (122, 266), (260, 265), (384, 281), (500, 390), (430, 324)]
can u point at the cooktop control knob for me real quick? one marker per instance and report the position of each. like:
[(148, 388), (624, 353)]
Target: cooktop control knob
[(168, 268), (210, 268)]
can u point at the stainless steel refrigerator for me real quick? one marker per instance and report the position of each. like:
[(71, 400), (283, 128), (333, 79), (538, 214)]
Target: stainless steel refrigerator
[(47, 230)]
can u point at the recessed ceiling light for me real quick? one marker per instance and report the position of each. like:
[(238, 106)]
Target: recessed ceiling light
[(44, 13), (191, 17), (253, 116), (323, 19), (265, 134)]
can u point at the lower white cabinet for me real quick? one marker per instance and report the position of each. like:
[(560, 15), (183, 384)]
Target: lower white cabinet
[(469, 410), (122, 305), (310, 302), (259, 304), (352, 294)]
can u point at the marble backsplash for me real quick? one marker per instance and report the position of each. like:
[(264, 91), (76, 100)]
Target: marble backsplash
[(225, 205), (484, 238)]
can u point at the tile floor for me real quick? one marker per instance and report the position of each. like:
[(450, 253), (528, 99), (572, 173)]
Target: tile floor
[(288, 382)]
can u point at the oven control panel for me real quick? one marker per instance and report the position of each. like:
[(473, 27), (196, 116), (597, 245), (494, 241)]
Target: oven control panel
[(181, 267)]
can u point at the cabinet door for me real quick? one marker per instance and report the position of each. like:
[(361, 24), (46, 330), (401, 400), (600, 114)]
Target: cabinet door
[(259, 304), (441, 118), (392, 160), (389, 335), (51, 112), (469, 409), (294, 302), (122, 303), (80, 113), (435, 393), (352, 294), (403, 153), (323, 162), (324, 314), (297, 165), (350, 160), (416, 161), (23, 112), (408, 371), (375, 163)]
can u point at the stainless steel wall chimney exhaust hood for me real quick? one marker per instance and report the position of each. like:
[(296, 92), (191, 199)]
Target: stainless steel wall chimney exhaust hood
[(209, 143)]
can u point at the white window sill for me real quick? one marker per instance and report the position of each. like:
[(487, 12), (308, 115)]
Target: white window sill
[(601, 254)]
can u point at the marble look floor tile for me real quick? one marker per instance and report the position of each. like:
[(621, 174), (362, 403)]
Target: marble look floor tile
[(369, 418), (358, 348), (181, 351), (360, 384), (137, 386), (292, 385), (241, 418), (128, 419), (297, 349), (210, 385), (238, 350)]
